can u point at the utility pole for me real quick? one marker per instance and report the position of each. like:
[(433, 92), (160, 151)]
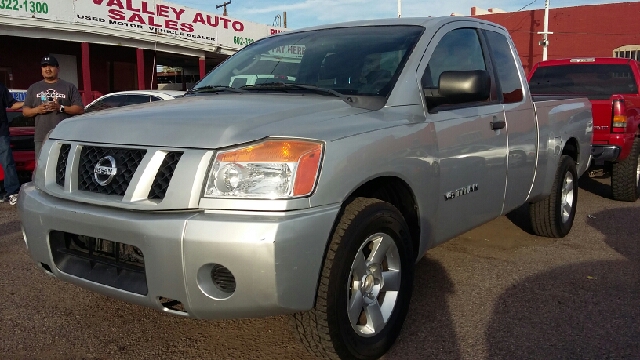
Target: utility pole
[(399, 8), (224, 5), (545, 40), (280, 20)]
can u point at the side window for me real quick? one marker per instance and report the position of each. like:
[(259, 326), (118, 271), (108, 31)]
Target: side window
[(135, 99), (106, 103), (458, 50), (510, 83), (155, 98), (16, 119), (113, 101)]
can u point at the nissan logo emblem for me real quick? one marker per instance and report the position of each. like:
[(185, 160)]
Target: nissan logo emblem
[(105, 170)]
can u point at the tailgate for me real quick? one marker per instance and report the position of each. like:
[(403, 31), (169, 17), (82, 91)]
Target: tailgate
[(601, 110)]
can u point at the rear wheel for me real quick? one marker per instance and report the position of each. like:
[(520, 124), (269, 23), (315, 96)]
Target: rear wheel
[(553, 216), (365, 285), (625, 176)]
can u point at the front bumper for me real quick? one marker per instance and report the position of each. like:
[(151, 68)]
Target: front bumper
[(275, 257)]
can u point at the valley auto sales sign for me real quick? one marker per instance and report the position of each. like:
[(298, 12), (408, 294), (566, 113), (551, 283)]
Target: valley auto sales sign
[(152, 16), (168, 19)]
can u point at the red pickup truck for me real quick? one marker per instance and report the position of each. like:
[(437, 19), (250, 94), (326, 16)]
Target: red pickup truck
[(21, 133), (612, 85)]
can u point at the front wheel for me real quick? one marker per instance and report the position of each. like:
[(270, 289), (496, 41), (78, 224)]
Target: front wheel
[(553, 216), (365, 285)]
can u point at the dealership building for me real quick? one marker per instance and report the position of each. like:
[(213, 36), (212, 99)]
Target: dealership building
[(113, 45), (578, 31)]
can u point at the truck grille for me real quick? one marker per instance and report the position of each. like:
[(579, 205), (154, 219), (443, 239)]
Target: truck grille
[(127, 161), (61, 166), (164, 175), (102, 261), (112, 171)]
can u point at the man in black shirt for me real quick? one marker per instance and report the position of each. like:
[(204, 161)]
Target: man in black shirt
[(50, 101), (11, 182)]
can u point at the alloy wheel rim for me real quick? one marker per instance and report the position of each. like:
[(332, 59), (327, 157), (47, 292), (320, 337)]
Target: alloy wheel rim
[(567, 197), (373, 284)]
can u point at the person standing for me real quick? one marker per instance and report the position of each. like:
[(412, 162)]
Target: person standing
[(11, 181), (50, 100)]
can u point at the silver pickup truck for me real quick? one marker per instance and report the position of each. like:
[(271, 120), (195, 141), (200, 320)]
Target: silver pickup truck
[(313, 190)]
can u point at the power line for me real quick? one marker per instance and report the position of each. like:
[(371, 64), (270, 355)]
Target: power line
[(522, 8)]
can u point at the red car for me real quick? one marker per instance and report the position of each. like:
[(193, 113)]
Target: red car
[(21, 130), (613, 87)]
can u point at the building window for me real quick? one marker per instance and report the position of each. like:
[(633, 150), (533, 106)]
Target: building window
[(627, 51)]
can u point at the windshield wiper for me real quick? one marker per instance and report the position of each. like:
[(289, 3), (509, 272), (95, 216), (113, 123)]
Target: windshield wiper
[(214, 89), (285, 86)]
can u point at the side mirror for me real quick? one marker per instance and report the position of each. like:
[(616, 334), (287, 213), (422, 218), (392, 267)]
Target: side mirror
[(457, 87)]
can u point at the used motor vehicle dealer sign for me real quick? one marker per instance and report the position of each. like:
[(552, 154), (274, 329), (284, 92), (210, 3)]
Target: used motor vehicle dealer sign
[(144, 16)]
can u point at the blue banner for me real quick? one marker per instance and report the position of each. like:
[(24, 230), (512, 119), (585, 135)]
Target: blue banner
[(19, 95)]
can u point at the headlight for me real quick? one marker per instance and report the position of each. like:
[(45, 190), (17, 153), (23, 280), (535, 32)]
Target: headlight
[(271, 169)]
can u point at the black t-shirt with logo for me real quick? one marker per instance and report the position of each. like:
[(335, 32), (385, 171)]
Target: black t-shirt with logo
[(42, 91), (6, 100)]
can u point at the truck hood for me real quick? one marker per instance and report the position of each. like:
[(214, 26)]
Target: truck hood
[(215, 121)]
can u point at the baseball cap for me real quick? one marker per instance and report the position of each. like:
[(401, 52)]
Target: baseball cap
[(49, 60)]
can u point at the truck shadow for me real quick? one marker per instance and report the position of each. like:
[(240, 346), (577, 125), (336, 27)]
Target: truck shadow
[(586, 310), (520, 218), (428, 330), (597, 185)]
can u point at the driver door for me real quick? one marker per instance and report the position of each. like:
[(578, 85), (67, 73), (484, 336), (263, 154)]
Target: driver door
[(472, 155)]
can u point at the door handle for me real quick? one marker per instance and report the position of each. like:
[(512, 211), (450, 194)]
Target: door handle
[(497, 125)]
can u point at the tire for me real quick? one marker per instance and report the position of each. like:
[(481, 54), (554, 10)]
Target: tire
[(371, 285), (625, 176), (553, 216)]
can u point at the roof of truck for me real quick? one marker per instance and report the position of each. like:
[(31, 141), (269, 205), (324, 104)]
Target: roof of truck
[(421, 21)]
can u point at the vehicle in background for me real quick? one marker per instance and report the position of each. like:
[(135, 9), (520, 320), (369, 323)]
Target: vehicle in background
[(21, 132), (177, 80), (612, 86), (131, 97), (314, 197)]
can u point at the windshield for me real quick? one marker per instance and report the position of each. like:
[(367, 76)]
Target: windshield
[(596, 81), (350, 61)]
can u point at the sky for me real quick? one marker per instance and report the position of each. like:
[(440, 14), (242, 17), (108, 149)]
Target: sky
[(302, 13)]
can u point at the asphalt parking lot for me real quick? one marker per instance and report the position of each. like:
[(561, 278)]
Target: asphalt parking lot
[(496, 292)]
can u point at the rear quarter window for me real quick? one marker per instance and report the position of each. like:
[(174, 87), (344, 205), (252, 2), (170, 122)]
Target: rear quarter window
[(506, 68)]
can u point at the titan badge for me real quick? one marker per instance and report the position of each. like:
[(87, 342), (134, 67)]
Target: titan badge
[(462, 191)]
